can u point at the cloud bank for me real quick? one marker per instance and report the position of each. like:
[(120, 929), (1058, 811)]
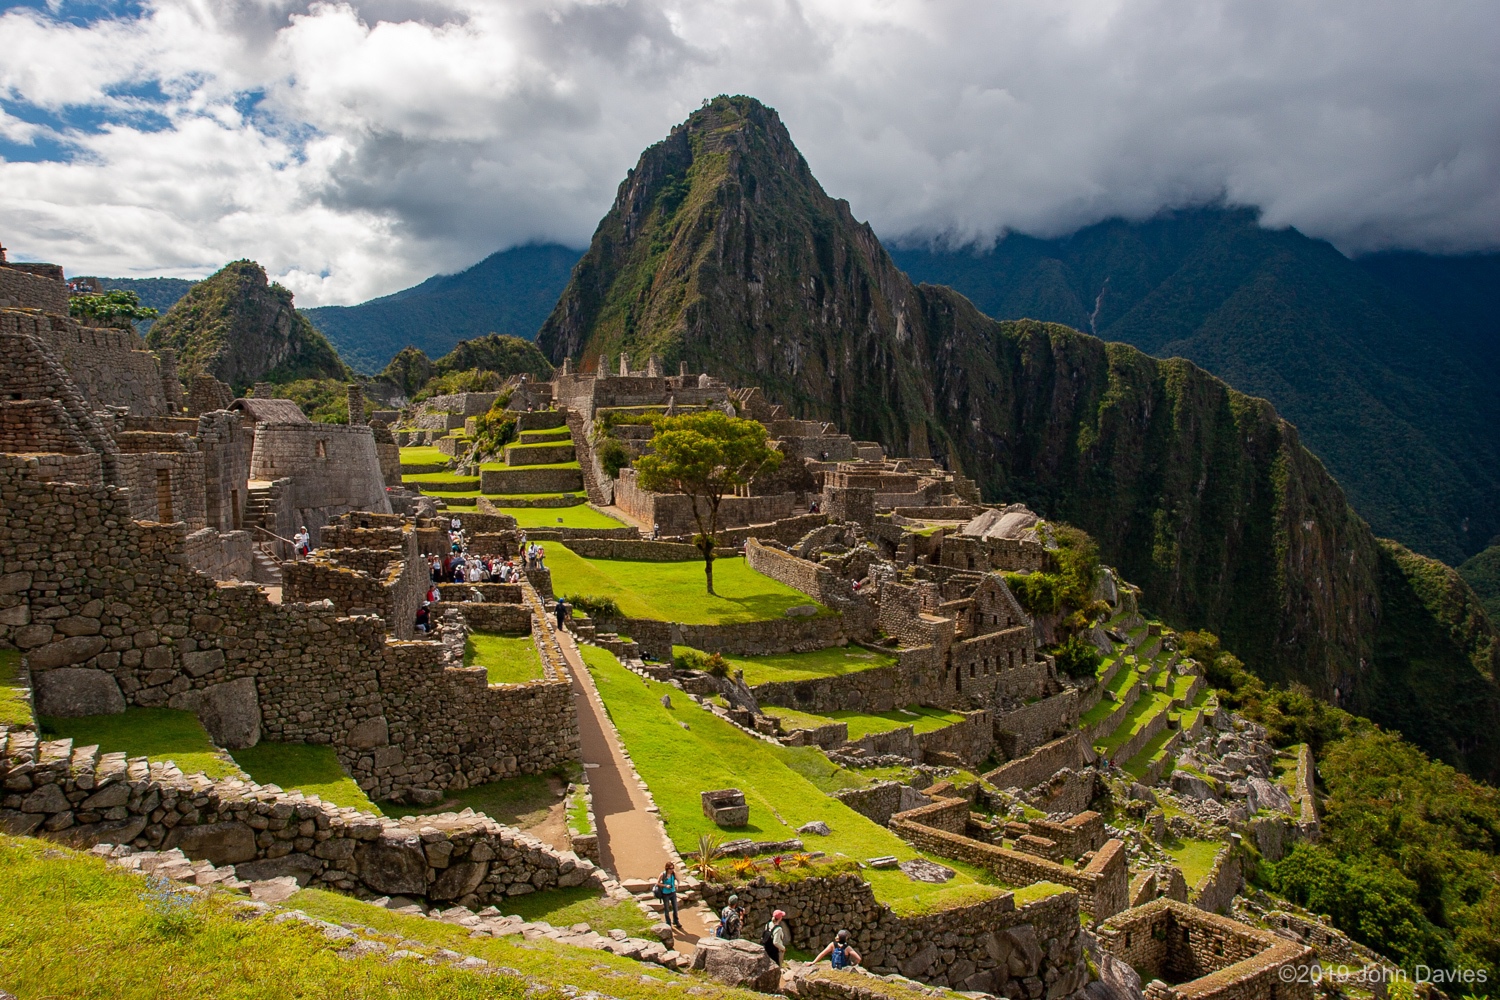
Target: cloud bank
[(355, 148)]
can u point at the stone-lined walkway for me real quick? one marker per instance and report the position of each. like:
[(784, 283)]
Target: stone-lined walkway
[(632, 842)]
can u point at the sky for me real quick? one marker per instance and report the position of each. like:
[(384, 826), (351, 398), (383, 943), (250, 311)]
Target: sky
[(357, 148)]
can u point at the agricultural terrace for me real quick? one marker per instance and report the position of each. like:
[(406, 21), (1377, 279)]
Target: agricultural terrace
[(423, 454), (506, 659), (861, 724), (684, 750), (834, 661), (674, 591), (580, 516), (165, 734)]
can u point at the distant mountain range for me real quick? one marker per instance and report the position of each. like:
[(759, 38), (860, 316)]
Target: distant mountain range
[(1387, 364), (508, 292)]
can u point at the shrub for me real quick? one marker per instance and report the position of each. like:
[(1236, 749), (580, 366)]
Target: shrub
[(117, 308), (597, 607), (472, 380), (1077, 657), (495, 428), (1038, 593), (613, 457)]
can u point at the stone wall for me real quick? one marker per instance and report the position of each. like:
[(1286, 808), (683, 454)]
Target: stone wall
[(971, 741), (775, 635), (502, 619), (1021, 730), (524, 480), (110, 367), (80, 798), (1040, 764), (165, 486), (22, 290), (636, 549), (879, 689), (1220, 885), (109, 613), (673, 513), (1074, 836), (334, 467), (990, 946), (225, 443), (223, 556), (1206, 956), (1103, 885), (832, 591)]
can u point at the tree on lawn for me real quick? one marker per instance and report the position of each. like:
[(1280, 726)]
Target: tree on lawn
[(705, 456)]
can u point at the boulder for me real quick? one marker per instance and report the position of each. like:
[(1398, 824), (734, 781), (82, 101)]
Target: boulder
[(72, 691), (1026, 951), (226, 843), (230, 712), (817, 827), (114, 831), (459, 880), (66, 652), (301, 867), (738, 963), (391, 866), (369, 734), (916, 967)]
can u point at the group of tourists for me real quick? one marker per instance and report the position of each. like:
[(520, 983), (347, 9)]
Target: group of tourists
[(459, 565), (774, 936)]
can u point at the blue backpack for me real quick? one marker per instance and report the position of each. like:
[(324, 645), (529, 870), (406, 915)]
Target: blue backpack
[(838, 959)]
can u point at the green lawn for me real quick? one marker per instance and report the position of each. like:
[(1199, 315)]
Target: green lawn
[(522, 801), (578, 497), (78, 927), (831, 662), (423, 454), (674, 591), (157, 733), (922, 720), (1148, 754), (678, 764), (15, 710), (545, 961), (506, 659), (578, 814), (1194, 857), (581, 516), (309, 768), (440, 477), (451, 494)]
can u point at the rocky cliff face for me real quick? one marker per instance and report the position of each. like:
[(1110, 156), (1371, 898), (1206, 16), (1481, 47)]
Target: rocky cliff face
[(723, 251), (242, 329)]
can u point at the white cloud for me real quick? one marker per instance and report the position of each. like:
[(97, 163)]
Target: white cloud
[(354, 148)]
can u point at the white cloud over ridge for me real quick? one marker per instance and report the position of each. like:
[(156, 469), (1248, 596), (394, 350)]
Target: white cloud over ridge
[(354, 148)]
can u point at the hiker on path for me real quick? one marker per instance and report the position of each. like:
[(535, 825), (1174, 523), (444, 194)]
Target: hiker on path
[(839, 952), (774, 938), (666, 891), (302, 543), (731, 919)]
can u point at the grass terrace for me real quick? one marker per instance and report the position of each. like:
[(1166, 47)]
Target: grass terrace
[(1123, 681), (439, 479), (922, 720), (506, 659), (674, 591), (1145, 708), (678, 763), (160, 734), (1194, 857), (310, 768), (78, 927), (522, 801), (499, 466), (15, 710), (1153, 751), (423, 454), (834, 661), (581, 516)]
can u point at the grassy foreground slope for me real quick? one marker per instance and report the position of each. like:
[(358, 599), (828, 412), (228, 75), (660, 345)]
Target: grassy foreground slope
[(685, 750)]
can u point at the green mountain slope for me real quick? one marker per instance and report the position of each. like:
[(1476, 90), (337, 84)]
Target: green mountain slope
[(722, 250), (242, 329), (411, 370), (507, 292), (1482, 573), (1386, 364)]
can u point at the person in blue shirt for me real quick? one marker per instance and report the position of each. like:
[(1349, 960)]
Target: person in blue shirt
[(666, 891), (839, 952)]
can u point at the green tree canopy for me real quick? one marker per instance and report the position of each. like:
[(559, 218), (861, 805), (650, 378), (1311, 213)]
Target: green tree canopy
[(706, 456), (117, 307)]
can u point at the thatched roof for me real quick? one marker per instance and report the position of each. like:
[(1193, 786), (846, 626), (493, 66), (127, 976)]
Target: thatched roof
[(271, 411)]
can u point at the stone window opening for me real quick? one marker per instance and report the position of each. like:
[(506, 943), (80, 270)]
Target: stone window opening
[(322, 449)]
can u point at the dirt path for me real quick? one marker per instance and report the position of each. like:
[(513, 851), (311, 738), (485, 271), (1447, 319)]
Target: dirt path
[(631, 840)]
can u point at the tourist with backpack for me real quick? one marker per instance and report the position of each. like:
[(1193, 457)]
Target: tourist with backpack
[(666, 891), (774, 937), (731, 919), (839, 952)]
